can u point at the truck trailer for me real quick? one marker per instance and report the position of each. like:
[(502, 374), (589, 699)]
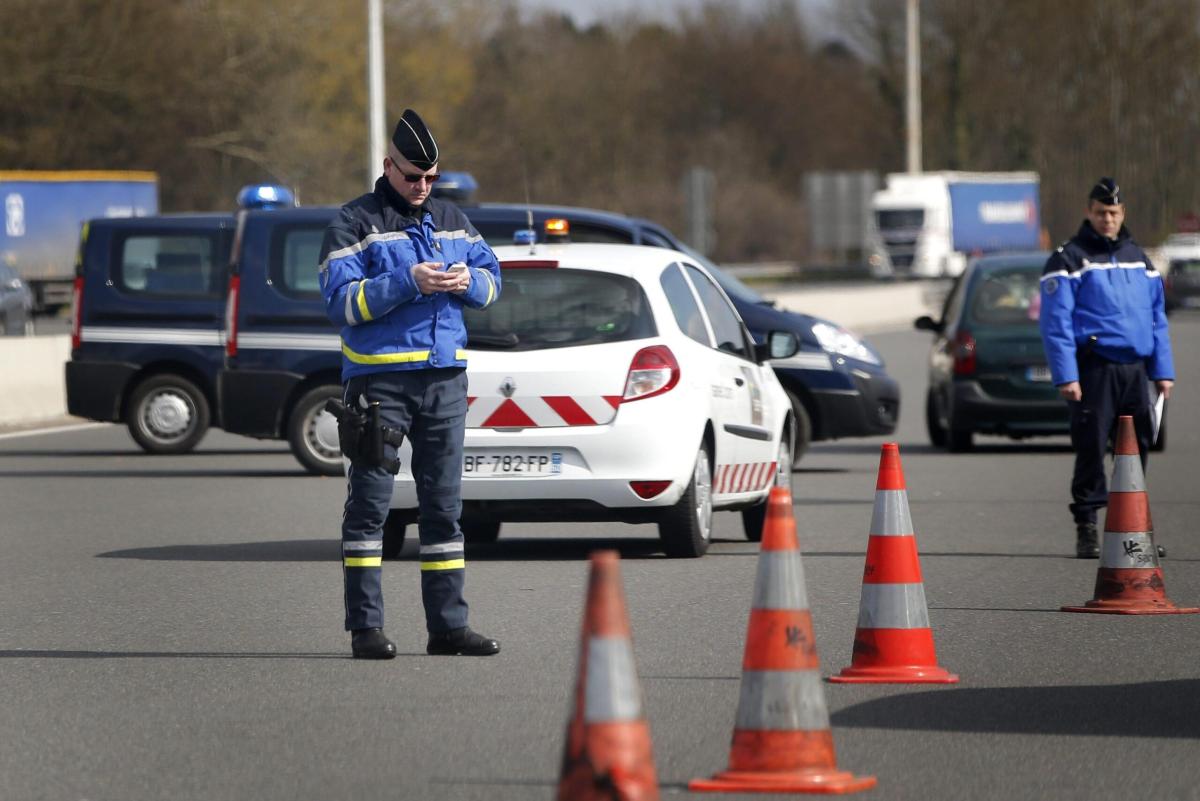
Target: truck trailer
[(44, 212), (929, 224)]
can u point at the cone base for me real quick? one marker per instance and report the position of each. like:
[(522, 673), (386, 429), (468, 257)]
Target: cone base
[(1132, 608), (830, 782), (902, 674)]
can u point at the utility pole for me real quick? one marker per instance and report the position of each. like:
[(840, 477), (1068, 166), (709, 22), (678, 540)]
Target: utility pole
[(375, 147), (912, 105)]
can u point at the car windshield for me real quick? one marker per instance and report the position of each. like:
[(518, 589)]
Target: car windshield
[(559, 307), (1008, 296)]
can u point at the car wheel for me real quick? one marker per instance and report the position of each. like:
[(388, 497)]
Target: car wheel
[(167, 414), (393, 535), (754, 517), (933, 423), (479, 530), (961, 439), (313, 434), (804, 433), (687, 526)]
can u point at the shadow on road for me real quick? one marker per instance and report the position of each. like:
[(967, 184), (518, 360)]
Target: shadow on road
[(35, 654), (999, 448), (273, 551), (1169, 708), (77, 454), (101, 472)]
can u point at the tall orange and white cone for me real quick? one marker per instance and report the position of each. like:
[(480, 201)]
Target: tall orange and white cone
[(893, 642), (781, 738), (1129, 580), (607, 754)]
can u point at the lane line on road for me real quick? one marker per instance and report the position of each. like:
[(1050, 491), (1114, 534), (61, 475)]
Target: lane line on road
[(54, 430)]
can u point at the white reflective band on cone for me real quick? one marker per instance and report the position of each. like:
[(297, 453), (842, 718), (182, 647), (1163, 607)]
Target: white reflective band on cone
[(1127, 474), (782, 700), (893, 606), (891, 518), (1122, 549), (780, 581), (612, 689)]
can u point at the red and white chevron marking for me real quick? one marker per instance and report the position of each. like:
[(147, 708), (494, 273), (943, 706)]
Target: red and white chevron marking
[(541, 411), (743, 476)]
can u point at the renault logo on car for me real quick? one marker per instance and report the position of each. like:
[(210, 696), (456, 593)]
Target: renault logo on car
[(508, 387)]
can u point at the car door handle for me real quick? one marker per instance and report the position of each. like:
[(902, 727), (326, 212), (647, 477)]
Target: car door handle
[(739, 381)]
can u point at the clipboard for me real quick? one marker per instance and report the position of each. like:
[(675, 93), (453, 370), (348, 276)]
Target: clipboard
[(1157, 405)]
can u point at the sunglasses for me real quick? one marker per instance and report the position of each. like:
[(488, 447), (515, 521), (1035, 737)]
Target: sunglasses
[(431, 178)]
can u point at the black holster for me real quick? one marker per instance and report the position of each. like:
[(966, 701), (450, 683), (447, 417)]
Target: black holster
[(362, 437)]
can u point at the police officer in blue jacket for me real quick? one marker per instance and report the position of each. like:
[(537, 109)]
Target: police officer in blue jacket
[(1104, 328), (397, 268)]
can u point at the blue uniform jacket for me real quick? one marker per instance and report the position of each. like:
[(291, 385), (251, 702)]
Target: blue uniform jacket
[(365, 271), (1093, 286)]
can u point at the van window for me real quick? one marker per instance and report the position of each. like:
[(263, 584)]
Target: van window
[(168, 264), (560, 308), (295, 255)]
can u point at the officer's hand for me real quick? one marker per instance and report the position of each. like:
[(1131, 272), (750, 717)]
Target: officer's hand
[(431, 277), (1071, 391), (1164, 387)]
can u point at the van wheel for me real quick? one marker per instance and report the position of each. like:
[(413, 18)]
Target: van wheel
[(393, 535), (312, 432), (687, 526), (167, 414), (754, 517), (479, 531)]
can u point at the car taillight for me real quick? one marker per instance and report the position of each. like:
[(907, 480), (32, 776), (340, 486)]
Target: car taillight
[(963, 351), (231, 315), (653, 371), (76, 311), (648, 489)]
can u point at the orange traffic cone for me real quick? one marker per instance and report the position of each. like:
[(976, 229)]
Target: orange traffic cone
[(893, 642), (1129, 580), (781, 738), (608, 754)]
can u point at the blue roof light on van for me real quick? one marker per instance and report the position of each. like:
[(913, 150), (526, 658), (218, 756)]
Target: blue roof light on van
[(456, 186), (265, 196)]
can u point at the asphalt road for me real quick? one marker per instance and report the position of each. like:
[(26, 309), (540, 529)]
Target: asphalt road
[(172, 630)]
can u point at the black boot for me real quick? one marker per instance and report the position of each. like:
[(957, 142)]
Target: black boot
[(371, 644), (1085, 541), (461, 642)]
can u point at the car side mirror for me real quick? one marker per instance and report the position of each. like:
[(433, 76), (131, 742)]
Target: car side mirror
[(779, 345), (927, 323)]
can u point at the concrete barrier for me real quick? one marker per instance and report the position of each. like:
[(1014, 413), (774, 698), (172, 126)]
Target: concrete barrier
[(33, 385)]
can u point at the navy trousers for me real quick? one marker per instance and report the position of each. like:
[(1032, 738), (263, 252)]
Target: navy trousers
[(430, 407), (1109, 390)]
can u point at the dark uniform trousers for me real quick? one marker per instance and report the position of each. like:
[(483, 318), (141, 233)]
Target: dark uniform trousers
[(1109, 389), (429, 406)]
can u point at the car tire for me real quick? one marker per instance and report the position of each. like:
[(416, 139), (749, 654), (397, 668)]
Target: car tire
[(961, 440), (754, 517), (312, 432), (479, 530), (167, 413), (804, 431), (393, 535), (686, 528), (933, 423)]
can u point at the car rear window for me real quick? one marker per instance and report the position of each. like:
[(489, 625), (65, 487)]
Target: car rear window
[(169, 264), (1007, 297), (542, 308)]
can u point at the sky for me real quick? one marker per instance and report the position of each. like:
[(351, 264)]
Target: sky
[(585, 12)]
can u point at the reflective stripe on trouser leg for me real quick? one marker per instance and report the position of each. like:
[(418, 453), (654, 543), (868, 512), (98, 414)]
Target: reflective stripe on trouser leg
[(437, 440), (370, 491)]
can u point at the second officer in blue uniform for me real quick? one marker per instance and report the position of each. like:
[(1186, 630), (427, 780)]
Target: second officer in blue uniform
[(397, 269), (1104, 328)]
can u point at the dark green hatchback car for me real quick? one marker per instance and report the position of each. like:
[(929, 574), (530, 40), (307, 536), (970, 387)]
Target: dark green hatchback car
[(987, 369)]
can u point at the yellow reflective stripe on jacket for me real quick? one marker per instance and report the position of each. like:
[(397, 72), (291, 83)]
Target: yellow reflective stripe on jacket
[(450, 564), (491, 287), (363, 561), (362, 302), (393, 358)]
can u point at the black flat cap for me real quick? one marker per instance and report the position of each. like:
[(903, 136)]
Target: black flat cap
[(414, 141), (1106, 191)]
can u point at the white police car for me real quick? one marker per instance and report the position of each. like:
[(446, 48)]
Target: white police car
[(614, 383)]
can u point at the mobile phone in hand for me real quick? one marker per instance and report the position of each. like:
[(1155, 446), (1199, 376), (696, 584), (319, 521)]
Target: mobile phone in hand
[(458, 266)]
